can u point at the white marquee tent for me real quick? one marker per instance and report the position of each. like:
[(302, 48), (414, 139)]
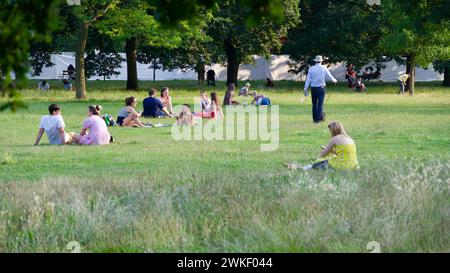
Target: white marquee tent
[(276, 68)]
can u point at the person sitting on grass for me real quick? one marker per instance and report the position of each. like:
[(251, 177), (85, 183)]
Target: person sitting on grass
[(67, 85), (245, 90), (185, 117), (340, 153), (261, 100), (44, 86), (98, 132), (360, 86), (205, 102), (166, 101), (53, 125), (216, 110), (153, 108), (128, 117), (229, 95), (205, 105)]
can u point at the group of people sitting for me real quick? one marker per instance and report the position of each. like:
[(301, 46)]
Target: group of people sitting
[(244, 94), (340, 153), (45, 86), (94, 130), (160, 107)]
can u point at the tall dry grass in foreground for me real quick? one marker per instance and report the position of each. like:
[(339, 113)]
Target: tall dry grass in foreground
[(403, 206)]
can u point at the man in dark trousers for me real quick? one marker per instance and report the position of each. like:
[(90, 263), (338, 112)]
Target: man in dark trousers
[(317, 76)]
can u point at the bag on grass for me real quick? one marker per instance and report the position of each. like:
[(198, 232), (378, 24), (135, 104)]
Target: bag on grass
[(109, 120)]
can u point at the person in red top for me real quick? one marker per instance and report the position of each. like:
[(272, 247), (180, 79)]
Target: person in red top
[(350, 75)]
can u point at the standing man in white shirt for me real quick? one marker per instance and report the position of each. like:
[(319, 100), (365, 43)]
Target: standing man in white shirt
[(317, 76), (53, 125)]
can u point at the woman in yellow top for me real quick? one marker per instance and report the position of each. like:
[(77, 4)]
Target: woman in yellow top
[(339, 154)]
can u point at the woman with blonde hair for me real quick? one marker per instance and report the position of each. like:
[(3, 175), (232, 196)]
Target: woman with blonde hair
[(340, 153)]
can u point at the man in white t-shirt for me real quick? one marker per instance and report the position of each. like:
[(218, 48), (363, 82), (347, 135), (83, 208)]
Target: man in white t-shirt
[(53, 125)]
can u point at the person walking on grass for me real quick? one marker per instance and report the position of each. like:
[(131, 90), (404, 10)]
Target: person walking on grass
[(53, 125), (339, 154), (402, 82), (94, 130), (316, 78)]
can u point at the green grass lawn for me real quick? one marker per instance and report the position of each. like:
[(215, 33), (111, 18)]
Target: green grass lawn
[(147, 192)]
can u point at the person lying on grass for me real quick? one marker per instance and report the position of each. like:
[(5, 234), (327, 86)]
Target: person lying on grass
[(98, 132), (339, 154), (53, 125), (261, 100), (128, 117)]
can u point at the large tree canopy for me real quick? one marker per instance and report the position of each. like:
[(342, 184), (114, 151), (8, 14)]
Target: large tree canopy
[(133, 23), (343, 31), (240, 40), (20, 24), (418, 30)]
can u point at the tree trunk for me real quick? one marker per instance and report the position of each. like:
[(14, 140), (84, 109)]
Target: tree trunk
[(200, 69), (447, 75), (232, 62), (411, 65), (154, 70), (408, 69), (130, 49), (79, 61)]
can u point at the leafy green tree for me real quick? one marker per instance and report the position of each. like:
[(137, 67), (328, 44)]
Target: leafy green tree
[(19, 23), (444, 68), (343, 31), (103, 64), (193, 53), (88, 13), (239, 40), (40, 56), (418, 30), (134, 24)]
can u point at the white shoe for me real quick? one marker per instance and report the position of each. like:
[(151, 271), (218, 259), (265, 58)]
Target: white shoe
[(307, 167)]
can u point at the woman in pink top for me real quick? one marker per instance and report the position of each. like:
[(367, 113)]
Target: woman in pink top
[(98, 132)]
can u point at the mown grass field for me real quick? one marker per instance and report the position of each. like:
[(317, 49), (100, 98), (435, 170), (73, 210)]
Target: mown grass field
[(149, 193)]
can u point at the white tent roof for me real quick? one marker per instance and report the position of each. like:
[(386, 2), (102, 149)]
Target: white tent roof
[(276, 68)]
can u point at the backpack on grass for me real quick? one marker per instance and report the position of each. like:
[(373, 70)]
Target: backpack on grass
[(109, 120)]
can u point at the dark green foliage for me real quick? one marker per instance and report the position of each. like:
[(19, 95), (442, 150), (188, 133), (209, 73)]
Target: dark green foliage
[(103, 64), (20, 24), (343, 31)]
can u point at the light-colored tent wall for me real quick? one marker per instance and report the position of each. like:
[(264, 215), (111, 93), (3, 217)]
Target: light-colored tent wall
[(276, 68)]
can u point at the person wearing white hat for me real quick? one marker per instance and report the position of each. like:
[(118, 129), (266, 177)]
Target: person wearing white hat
[(316, 78)]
